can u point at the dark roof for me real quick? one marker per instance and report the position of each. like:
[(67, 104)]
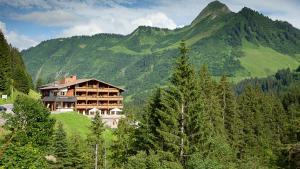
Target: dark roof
[(56, 85), (59, 98)]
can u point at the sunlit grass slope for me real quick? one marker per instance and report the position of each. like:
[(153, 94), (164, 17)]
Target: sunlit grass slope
[(74, 123), (262, 61)]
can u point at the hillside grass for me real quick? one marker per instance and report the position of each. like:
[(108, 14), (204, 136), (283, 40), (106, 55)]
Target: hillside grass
[(262, 61), (10, 100), (74, 123)]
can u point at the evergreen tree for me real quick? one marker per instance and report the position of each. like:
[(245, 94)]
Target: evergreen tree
[(60, 147), (75, 159), (146, 134), (95, 139), (26, 156), (230, 114), (39, 83), (21, 80), (211, 135), (4, 83), (122, 147), (152, 161), (30, 123), (183, 81)]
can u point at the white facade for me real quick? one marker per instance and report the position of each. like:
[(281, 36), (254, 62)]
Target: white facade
[(110, 118)]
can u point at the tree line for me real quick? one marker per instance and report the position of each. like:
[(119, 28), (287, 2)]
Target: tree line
[(12, 69)]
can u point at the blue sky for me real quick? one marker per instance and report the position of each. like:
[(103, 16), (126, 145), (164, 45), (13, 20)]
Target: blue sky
[(26, 23)]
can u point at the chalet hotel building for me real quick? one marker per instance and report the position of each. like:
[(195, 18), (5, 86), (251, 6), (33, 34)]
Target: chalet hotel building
[(82, 95)]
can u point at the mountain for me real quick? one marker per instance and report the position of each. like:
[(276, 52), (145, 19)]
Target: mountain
[(242, 44), (12, 69)]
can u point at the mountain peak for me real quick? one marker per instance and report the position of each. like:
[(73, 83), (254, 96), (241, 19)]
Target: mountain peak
[(212, 10)]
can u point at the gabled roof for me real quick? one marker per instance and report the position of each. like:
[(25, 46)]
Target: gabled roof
[(57, 85)]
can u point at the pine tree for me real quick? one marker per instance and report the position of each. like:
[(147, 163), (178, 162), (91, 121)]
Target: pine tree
[(122, 147), (39, 83), (183, 81), (210, 142), (95, 139), (60, 148), (168, 113), (4, 83), (75, 159), (230, 114)]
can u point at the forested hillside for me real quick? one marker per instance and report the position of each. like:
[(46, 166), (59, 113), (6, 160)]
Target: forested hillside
[(12, 69), (193, 122), (242, 44)]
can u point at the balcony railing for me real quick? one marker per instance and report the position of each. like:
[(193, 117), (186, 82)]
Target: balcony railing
[(110, 106), (89, 97), (96, 89)]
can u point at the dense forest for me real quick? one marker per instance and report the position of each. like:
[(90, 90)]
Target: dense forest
[(12, 69), (193, 122)]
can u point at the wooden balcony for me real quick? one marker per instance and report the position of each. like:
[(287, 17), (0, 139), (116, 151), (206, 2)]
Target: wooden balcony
[(101, 98), (95, 89), (99, 106)]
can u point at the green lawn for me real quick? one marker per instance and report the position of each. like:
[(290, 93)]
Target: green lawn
[(74, 123), (261, 61)]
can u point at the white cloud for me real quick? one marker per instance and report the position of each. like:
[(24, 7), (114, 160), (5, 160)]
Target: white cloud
[(156, 20), (17, 40), (50, 18), (88, 17), (86, 29)]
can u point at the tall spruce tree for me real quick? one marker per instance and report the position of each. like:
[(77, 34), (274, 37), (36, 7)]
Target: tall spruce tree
[(122, 146), (96, 142), (168, 113), (210, 144), (230, 114), (183, 80), (75, 153), (60, 148)]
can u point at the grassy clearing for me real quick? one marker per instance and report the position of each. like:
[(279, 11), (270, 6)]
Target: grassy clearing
[(74, 123), (261, 61)]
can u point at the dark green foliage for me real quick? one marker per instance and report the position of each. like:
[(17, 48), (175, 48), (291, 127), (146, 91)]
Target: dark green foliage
[(152, 161), (26, 156), (30, 133), (230, 114), (122, 147), (31, 122), (12, 69), (96, 138), (291, 104), (274, 83), (75, 153), (60, 148), (39, 83)]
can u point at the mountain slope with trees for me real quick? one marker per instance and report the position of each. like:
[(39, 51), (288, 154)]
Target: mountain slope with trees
[(193, 122), (12, 69), (228, 42)]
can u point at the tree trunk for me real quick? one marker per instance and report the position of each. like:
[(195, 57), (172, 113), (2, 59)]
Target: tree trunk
[(182, 132)]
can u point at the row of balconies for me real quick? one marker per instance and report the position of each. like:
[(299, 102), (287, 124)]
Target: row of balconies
[(99, 97), (83, 89), (108, 106)]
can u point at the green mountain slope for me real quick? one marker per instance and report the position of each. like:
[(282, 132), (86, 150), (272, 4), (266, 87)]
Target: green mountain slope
[(239, 44)]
